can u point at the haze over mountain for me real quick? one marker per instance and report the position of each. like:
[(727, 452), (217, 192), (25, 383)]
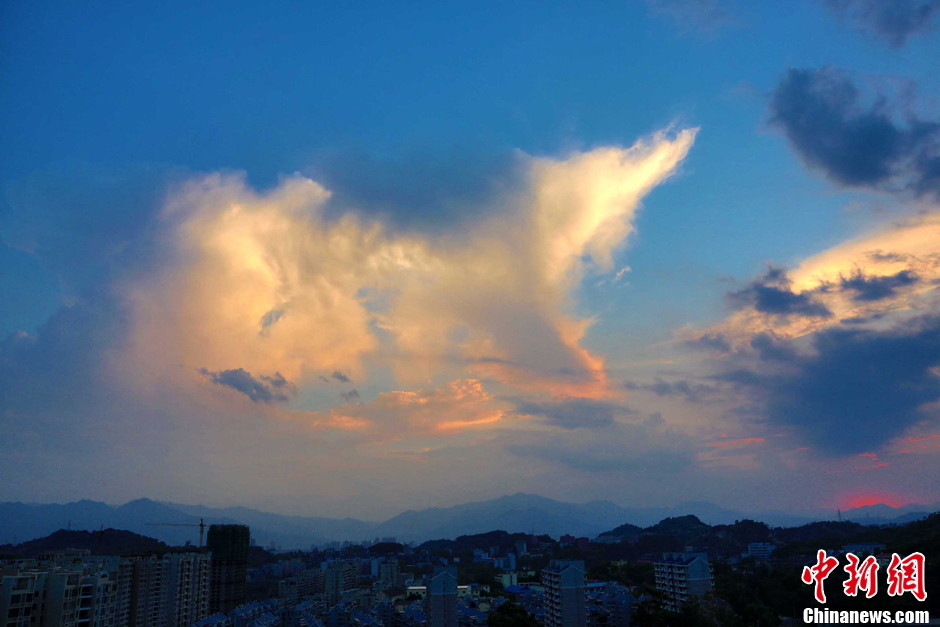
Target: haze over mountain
[(176, 524)]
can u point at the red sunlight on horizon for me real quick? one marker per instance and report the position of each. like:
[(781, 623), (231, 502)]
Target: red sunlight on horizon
[(873, 498)]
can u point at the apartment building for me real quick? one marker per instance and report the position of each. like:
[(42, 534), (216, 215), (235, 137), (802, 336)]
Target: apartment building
[(565, 600), (95, 591), (339, 578), (680, 576), (229, 546), (16, 600), (441, 599)]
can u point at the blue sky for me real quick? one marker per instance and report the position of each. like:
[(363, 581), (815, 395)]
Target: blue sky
[(437, 121)]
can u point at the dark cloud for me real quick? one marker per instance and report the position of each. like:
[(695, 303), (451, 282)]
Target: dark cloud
[(770, 348), (89, 226), (891, 20), (262, 389), (339, 376), (881, 256), (692, 392), (859, 390), (419, 191), (641, 448), (877, 287), (771, 294), (740, 376), (57, 369), (862, 319), (821, 114), (710, 342), (271, 318), (576, 413), (352, 396)]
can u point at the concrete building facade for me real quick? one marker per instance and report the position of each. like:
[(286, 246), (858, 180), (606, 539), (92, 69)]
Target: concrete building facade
[(441, 599), (680, 576), (229, 546), (565, 600)]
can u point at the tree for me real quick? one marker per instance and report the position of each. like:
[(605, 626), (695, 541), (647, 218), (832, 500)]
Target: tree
[(510, 614)]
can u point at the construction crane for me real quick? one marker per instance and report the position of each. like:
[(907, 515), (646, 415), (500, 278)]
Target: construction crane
[(202, 527)]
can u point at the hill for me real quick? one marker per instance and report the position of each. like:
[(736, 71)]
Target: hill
[(112, 542), (505, 541)]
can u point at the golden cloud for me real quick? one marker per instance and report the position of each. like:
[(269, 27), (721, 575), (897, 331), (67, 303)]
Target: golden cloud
[(458, 406), (891, 272), (269, 283)]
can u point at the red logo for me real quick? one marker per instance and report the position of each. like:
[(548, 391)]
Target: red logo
[(907, 575), (904, 575), (817, 574), (864, 577)]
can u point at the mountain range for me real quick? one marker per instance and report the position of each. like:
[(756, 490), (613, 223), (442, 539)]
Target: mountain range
[(176, 524)]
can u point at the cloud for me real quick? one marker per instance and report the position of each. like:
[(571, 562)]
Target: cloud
[(106, 219), (724, 442), (894, 21), (770, 348), (854, 380), (860, 389), (877, 287), (821, 114), (208, 314), (453, 408), (60, 369), (418, 192), (261, 389), (771, 294), (339, 376), (710, 342), (700, 16), (576, 413), (648, 447), (345, 288), (691, 392), (875, 278)]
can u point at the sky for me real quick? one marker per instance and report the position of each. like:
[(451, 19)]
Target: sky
[(348, 259)]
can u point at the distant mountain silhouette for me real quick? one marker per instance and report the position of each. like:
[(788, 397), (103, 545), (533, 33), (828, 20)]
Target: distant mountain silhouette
[(517, 513)]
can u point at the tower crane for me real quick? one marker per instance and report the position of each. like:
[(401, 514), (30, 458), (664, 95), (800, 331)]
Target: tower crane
[(202, 527)]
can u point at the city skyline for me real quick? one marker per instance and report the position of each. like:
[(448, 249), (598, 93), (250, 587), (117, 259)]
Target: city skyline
[(354, 261)]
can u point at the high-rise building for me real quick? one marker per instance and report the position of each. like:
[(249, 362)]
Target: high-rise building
[(16, 599), (388, 574), (441, 599), (97, 605), (229, 546), (565, 600), (170, 590), (339, 578), (58, 597), (680, 576), (157, 591)]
